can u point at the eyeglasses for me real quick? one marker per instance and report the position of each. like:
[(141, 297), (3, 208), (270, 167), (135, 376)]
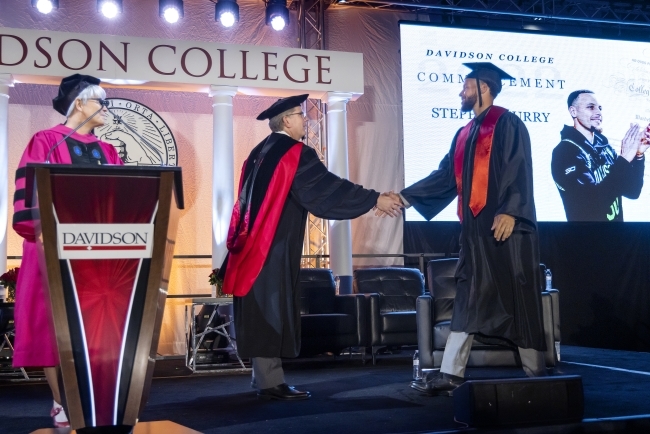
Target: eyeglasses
[(100, 101), (304, 116)]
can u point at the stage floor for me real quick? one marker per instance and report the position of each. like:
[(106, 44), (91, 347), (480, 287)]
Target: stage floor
[(348, 397)]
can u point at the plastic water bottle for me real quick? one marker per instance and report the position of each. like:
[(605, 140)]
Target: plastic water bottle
[(549, 279), (417, 372)]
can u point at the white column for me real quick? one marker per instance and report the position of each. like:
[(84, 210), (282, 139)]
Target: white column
[(6, 81), (223, 178), (340, 233)]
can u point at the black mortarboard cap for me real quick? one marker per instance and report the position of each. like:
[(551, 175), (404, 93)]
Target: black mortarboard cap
[(69, 90), (489, 73), (487, 70), (282, 105)]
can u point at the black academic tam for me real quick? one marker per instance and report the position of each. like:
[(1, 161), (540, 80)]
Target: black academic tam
[(282, 105), (69, 90)]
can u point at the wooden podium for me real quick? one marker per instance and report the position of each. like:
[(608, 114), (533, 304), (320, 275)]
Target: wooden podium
[(108, 236)]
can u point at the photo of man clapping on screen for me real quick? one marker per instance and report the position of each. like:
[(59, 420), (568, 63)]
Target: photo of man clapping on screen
[(590, 176)]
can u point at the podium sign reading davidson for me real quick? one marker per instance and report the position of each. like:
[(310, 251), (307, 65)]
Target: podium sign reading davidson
[(29, 54), (104, 241)]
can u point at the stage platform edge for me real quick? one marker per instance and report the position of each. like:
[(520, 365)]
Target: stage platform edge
[(161, 426)]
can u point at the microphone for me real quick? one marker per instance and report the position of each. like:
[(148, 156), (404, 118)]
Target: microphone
[(103, 103), (145, 141)]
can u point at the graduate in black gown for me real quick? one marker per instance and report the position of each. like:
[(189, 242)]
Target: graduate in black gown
[(281, 182), (489, 168)]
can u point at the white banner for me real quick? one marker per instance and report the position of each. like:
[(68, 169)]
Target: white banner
[(104, 241), (44, 57)]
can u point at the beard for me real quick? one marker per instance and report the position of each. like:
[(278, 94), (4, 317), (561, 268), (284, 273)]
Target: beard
[(591, 125), (467, 104), (597, 126)]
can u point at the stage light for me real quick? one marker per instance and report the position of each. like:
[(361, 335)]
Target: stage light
[(226, 12), (277, 14), (109, 8), (45, 6), (227, 19), (171, 10), (278, 23), (171, 15)]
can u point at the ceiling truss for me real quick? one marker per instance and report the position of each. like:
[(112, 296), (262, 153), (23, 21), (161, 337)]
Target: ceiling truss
[(608, 13)]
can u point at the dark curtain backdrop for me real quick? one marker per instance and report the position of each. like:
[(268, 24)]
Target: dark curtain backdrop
[(602, 271)]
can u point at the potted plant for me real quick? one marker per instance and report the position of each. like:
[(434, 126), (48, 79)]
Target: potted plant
[(217, 283), (8, 280)]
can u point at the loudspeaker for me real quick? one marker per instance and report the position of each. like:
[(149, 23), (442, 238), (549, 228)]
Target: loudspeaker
[(541, 400)]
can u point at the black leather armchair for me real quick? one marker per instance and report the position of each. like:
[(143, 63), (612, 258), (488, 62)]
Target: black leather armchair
[(390, 295), (329, 322), (434, 317)]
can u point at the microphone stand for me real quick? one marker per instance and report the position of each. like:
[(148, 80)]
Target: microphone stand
[(47, 158), (145, 141)]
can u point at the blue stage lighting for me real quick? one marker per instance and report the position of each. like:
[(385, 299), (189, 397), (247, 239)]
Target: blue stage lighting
[(109, 8), (277, 14), (45, 6), (171, 10), (226, 12)]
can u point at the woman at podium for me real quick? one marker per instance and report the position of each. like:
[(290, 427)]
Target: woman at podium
[(82, 101)]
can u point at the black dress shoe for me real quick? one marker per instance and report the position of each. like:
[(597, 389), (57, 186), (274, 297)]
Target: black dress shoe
[(283, 392), (419, 385), (438, 384)]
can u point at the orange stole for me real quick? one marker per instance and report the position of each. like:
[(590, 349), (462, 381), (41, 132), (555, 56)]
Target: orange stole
[(480, 176)]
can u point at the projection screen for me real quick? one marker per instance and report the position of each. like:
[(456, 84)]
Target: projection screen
[(546, 68)]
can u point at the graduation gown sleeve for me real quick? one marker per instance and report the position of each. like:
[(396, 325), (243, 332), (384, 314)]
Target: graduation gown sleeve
[(325, 195), (36, 152), (432, 194)]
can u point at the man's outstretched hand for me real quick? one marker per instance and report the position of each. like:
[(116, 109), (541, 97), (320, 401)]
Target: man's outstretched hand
[(388, 204), (503, 226)]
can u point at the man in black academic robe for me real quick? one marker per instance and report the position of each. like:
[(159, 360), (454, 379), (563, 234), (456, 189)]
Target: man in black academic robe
[(498, 294), (266, 237)]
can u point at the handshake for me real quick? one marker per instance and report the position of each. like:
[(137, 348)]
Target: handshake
[(388, 204)]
